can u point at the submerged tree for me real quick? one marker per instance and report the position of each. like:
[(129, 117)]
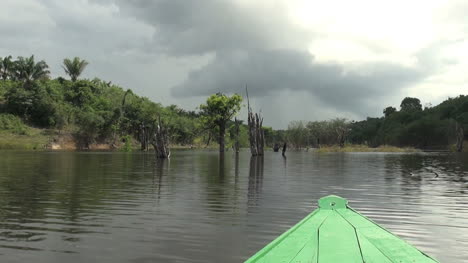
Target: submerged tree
[(74, 67), (160, 140), (256, 134), (218, 110)]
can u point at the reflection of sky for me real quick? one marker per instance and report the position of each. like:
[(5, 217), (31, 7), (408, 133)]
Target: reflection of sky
[(75, 207)]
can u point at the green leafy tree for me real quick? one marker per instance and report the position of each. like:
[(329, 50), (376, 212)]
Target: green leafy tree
[(41, 103), (410, 104), (90, 123), (74, 68), (19, 101), (388, 111), (218, 110)]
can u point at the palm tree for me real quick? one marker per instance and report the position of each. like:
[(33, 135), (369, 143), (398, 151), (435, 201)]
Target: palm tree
[(26, 70), (6, 67), (74, 67)]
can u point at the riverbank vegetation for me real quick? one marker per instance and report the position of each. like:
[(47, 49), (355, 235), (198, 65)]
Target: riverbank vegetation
[(441, 127), (37, 111)]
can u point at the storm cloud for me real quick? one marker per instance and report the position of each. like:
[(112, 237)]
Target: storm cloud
[(333, 61), (266, 72), (261, 50)]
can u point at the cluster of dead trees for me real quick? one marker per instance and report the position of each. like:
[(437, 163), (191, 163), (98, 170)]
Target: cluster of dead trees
[(256, 134), (157, 134)]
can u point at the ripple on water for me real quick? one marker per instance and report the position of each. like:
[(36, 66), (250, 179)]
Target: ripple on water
[(114, 207)]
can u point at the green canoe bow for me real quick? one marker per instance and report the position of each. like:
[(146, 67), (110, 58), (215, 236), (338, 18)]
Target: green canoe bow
[(335, 233)]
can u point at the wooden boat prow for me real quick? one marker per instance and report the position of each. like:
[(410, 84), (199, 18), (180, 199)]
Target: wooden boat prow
[(335, 233)]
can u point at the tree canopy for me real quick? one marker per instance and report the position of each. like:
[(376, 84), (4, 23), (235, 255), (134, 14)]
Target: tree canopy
[(74, 67), (218, 110), (410, 104), (23, 69)]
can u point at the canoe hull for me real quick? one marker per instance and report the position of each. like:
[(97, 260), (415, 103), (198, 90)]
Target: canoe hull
[(336, 233)]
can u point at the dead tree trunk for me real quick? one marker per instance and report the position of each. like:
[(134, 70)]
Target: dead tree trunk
[(222, 133), (256, 135), (160, 141), (460, 134), (143, 135), (237, 144)]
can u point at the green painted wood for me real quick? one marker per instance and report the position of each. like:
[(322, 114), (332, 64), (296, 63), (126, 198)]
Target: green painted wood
[(309, 252), (338, 241), (288, 245), (336, 233), (332, 202), (370, 253), (387, 243), (393, 247)]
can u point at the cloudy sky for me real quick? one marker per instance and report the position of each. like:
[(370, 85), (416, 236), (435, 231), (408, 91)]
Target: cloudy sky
[(301, 59)]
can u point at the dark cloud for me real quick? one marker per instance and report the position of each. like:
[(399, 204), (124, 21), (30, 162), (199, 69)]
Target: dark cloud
[(258, 48), (203, 26), (267, 72), (176, 51)]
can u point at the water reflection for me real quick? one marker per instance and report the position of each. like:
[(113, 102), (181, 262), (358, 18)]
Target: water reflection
[(236, 168), (255, 180), (197, 207), (161, 169), (420, 168), (221, 166)]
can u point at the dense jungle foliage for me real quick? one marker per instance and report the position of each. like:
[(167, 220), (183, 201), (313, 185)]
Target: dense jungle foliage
[(98, 111), (436, 127)]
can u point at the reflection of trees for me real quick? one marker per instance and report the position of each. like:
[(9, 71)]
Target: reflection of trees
[(22, 187), (160, 169), (236, 168), (219, 191), (255, 180), (68, 187), (221, 167)]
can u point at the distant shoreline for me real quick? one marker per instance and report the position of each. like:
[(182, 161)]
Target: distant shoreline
[(365, 148), (46, 140)]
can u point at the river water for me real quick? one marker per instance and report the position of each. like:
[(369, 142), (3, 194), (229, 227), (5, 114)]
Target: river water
[(118, 207)]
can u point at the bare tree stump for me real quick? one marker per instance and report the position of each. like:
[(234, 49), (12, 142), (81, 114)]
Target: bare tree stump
[(160, 141)]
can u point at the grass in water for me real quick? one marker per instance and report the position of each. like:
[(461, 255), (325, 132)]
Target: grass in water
[(364, 148)]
